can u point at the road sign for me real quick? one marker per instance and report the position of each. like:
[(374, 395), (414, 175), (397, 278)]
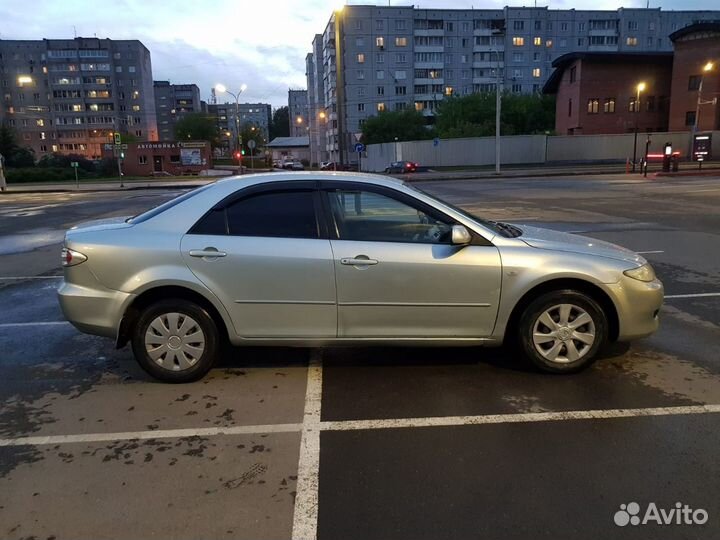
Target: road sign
[(251, 144), (359, 147), (123, 146), (74, 164), (117, 138), (436, 142), (358, 135), (118, 146)]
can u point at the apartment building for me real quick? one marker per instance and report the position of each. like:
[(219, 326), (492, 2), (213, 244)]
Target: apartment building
[(172, 102), (379, 58), (69, 96), (252, 115), (317, 113), (298, 112)]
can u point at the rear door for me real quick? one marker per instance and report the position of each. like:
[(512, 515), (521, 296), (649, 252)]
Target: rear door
[(267, 258)]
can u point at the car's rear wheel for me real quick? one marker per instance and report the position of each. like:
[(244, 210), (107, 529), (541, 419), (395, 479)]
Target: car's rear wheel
[(175, 341), (562, 331)]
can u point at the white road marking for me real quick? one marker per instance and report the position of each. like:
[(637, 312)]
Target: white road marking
[(438, 421), (14, 278), (22, 324), (157, 434), (305, 515), (698, 295), (649, 252)]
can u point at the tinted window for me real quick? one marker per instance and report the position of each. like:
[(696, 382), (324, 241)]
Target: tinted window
[(288, 214), (211, 223), (167, 205), (370, 216)]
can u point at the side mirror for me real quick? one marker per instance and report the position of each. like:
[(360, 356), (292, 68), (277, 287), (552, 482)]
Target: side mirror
[(460, 235)]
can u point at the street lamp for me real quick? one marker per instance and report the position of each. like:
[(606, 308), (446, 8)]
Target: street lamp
[(221, 88), (707, 68), (640, 88)]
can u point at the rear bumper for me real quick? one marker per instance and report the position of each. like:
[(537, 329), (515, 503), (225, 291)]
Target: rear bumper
[(638, 304), (95, 311)]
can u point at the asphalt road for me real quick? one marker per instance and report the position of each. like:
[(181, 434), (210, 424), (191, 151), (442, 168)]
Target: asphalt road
[(369, 442)]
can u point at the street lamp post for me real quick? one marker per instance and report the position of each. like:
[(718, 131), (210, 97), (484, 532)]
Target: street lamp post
[(222, 89), (640, 88), (707, 68), (498, 104)]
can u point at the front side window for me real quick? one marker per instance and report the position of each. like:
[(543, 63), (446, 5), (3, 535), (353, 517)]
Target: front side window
[(374, 217)]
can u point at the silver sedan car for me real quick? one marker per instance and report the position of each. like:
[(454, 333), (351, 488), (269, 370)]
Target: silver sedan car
[(315, 259)]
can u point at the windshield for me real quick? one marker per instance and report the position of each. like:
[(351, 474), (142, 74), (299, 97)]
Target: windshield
[(144, 216), (502, 229)]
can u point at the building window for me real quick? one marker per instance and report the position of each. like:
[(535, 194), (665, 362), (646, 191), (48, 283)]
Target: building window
[(537, 41), (632, 25), (573, 74), (517, 57), (536, 57), (449, 91), (361, 74), (380, 74), (400, 75), (633, 105), (401, 58), (131, 69), (401, 42), (538, 25), (380, 42), (631, 41), (361, 107), (399, 25), (419, 106), (564, 26), (593, 106), (361, 91), (40, 122), (380, 90), (361, 58), (358, 24), (690, 118), (516, 88), (536, 72), (581, 42), (449, 27), (563, 43), (517, 74), (609, 105), (650, 104), (400, 90), (379, 24), (518, 41), (569, 107), (519, 25), (581, 27), (379, 58), (118, 69), (142, 160), (381, 107), (694, 82), (548, 43)]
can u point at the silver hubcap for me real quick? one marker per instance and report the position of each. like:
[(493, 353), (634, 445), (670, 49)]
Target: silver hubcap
[(174, 341), (564, 333)]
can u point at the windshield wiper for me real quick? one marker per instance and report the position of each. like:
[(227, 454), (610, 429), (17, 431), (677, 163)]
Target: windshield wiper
[(511, 230)]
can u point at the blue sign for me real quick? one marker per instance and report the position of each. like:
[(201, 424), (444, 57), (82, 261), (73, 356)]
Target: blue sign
[(359, 147), (436, 142)]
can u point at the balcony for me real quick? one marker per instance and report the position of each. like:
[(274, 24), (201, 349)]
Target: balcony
[(429, 32)]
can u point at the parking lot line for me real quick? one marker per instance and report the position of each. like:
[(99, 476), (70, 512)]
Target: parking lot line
[(696, 295), (152, 434), (17, 278), (21, 324), (305, 515)]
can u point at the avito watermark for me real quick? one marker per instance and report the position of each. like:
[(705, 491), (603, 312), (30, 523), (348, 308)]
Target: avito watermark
[(680, 514)]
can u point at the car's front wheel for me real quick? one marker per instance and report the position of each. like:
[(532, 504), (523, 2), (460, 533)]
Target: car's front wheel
[(175, 341), (562, 331)]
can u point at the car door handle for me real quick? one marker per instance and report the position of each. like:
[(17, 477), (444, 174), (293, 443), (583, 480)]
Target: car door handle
[(207, 252), (360, 260)]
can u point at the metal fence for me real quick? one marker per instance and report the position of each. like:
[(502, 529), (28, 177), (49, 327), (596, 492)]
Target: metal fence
[(526, 149)]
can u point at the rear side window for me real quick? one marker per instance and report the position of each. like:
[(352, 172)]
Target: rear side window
[(285, 214)]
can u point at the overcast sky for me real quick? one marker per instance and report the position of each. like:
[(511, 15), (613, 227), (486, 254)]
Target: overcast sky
[(260, 43)]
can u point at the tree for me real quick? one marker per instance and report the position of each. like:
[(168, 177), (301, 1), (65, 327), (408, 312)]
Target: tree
[(197, 127), (15, 155), (474, 115), (404, 125), (280, 126), (248, 133)]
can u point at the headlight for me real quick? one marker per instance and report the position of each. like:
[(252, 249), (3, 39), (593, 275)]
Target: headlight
[(642, 273)]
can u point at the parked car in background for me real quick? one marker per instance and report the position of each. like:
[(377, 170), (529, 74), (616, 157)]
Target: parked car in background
[(400, 167), (345, 258), (293, 165)]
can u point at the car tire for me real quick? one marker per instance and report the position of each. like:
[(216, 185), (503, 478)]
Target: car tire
[(562, 331), (175, 341)]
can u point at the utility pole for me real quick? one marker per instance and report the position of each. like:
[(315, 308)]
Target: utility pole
[(3, 182), (640, 87), (498, 105)]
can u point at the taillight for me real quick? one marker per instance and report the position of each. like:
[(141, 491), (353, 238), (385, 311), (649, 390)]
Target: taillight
[(70, 257)]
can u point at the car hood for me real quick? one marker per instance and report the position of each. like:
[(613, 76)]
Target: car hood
[(104, 224), (559, 241)]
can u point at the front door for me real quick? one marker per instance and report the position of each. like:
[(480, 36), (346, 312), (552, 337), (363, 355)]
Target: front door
[(157, 163), (398, 275), (262, 255)]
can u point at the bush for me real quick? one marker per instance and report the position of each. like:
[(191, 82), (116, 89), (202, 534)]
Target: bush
[(43, 175), (64, 160)]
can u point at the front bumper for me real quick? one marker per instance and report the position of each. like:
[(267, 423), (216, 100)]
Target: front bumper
[(638, 305), (94, 310)]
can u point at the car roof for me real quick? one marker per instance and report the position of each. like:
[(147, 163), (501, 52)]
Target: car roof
[(285, 176)]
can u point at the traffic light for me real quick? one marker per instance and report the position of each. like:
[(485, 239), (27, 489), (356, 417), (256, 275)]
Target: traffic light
[(243, 151), (238, 155), (122, 155)]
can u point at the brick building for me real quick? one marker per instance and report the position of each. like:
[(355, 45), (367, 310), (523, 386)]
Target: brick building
[(157, 158), (696, 46), (596, 92)]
